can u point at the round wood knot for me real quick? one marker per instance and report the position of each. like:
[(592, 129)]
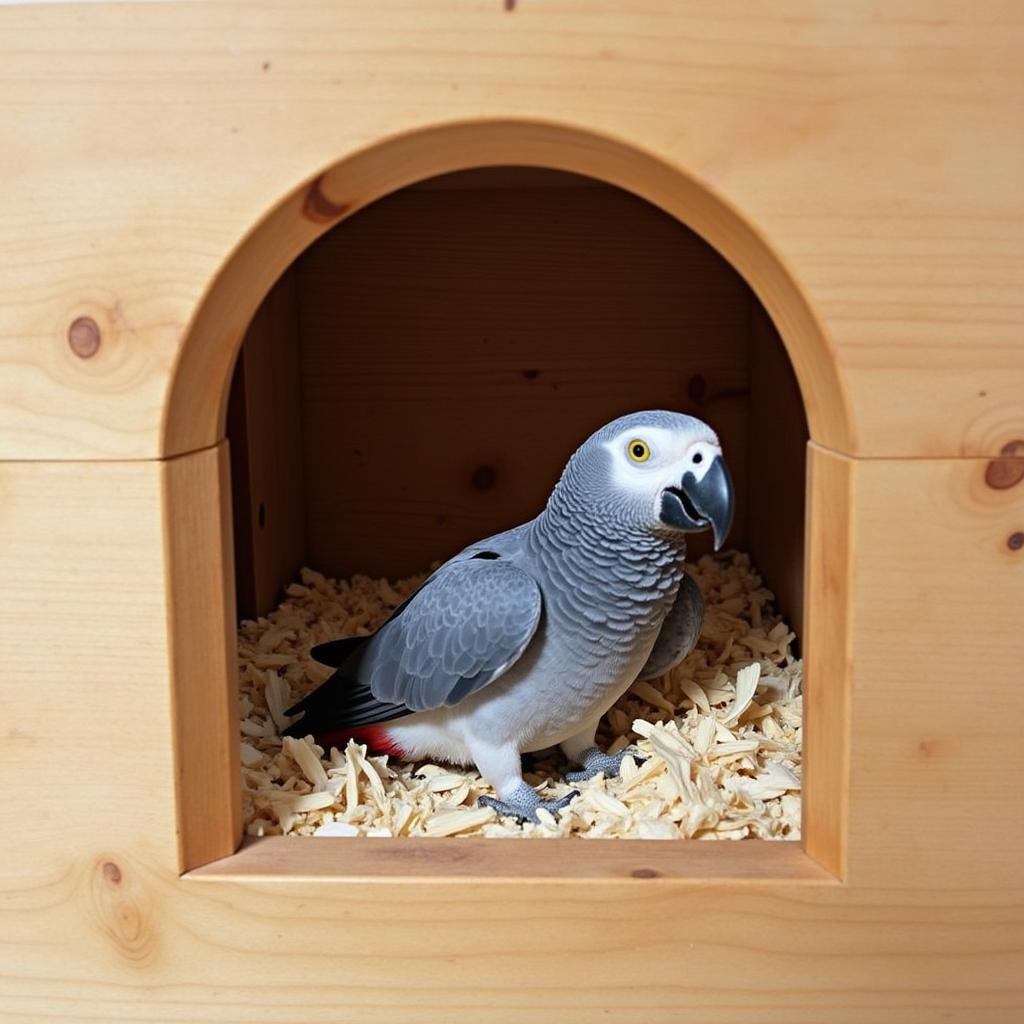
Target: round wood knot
[(84, 337), (123, 912), (318, 208), (1008, 470), (1015, 541), (645, 873), (484, 478)]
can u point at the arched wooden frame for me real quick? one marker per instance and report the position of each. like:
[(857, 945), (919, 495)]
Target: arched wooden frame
[(198, 513)]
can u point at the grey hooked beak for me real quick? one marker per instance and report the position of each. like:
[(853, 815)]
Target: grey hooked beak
[(697, 504)]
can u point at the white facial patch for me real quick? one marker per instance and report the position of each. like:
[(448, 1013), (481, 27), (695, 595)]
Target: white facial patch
[(673, 453)]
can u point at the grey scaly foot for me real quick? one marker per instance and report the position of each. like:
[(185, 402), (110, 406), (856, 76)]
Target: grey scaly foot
[(524, 803), (594, 761)]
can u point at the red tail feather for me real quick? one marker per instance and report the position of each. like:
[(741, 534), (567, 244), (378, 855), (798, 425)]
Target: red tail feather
[(376, 738)]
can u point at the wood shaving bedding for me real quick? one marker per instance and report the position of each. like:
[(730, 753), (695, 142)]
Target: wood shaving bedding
[(719, 737)]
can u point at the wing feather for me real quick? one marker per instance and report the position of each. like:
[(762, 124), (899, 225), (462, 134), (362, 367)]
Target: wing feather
[(460, 631), (679, 632)]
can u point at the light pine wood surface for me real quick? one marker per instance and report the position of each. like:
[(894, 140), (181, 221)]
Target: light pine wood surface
[(202, 624), (164, 163), (925, 924), (827, 639), (860, 169)]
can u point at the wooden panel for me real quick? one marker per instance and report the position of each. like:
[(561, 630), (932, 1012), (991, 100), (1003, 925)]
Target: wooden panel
[(873, 158), (458, 345), (243, 513), (87, 746), (265, 431), (870, 159), (935, 684), (306, 858), (827, 643), (777, 468), (204, 694), (929, 922)]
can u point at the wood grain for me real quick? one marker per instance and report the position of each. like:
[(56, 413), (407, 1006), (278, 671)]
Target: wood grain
[(752, 121), (859, 169), (458, 345), (85, 696), (402, 860), (777, 469), (873, 156), (827, 648), (267, 455), (202, 624), (927, 923), (934, 596)]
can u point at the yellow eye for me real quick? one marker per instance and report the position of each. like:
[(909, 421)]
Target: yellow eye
[(639, 451)]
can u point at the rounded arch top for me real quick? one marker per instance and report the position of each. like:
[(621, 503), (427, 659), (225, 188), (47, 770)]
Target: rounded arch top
[(195, 410)]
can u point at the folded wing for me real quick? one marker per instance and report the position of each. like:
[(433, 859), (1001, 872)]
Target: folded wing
[(462, 630)]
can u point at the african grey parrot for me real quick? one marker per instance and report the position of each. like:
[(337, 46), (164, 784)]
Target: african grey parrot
[(524, 640)]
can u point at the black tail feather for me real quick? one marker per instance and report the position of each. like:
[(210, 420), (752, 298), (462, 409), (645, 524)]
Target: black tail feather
[(340, 703), (334, 653)]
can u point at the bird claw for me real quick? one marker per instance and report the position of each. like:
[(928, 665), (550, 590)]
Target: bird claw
[(524, 804), (595, 761)]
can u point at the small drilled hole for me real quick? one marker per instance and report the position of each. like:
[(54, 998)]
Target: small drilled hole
[(484, 478)]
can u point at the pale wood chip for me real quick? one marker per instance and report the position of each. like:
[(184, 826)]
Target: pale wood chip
[(696, 693), (340, 829), (304, 754), (300, 802), (607, 803), (445, 781), (746, 685), (250, 755), (448, 823), (657, 830), (705, 735), (278, 698), (655, 698)]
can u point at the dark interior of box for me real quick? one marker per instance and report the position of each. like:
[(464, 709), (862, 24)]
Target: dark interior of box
[(418, 377)]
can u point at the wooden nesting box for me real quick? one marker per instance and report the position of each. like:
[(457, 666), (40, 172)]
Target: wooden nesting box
[(454, 237)]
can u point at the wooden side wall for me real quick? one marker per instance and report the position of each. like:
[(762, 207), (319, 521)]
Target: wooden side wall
[(777, 469), (267, 458)]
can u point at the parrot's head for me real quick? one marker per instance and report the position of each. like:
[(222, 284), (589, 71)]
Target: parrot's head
[(657, 471)]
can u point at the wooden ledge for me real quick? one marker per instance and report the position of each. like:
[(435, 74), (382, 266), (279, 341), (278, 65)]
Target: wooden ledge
[(304, 859)]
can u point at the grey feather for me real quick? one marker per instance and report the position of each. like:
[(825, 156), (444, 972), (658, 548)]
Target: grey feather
[(679, 632), (466, 625)]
